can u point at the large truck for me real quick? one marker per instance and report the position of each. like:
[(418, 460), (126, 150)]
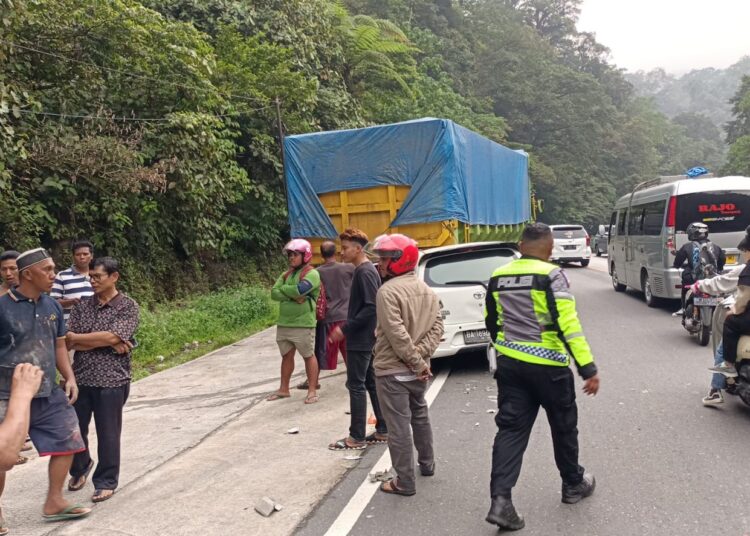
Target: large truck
[(431, 179)]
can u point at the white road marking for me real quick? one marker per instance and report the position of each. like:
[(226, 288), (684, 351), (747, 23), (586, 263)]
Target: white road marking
[(361, 498)]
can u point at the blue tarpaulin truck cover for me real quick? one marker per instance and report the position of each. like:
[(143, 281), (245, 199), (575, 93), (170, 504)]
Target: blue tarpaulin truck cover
[(454, 174)]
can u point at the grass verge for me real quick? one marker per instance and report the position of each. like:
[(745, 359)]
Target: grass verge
[(175, 333)]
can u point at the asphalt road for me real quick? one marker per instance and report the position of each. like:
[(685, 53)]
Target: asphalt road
[(664, 464)]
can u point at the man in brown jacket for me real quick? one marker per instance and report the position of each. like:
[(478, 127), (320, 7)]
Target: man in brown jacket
[(409, 327)]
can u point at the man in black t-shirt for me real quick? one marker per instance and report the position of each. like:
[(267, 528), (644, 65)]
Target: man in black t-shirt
[(359, 331)]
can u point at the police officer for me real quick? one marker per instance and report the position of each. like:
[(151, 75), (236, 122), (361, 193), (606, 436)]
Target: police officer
[(697, 234), (532, 318)]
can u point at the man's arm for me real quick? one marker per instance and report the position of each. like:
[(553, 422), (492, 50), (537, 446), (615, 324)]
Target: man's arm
[(570, 325), (89, 341), (370, 282), (66, 371), (680, 258), (431, 340), (490, 312), (389, 312), (26, 381)]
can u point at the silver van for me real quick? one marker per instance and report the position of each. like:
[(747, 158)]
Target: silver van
[(648, 225)]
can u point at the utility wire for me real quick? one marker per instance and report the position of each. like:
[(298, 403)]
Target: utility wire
[(128, 73), (133, 119)]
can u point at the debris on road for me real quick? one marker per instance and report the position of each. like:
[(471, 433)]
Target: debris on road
[(352, 457), (381, 476), (267, 506), (491, 411), (294, 430)]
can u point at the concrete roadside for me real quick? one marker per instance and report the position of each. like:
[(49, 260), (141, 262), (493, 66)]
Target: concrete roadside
[(201, 446)]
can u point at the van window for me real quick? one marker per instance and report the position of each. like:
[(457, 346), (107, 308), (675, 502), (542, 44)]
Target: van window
[(635, 222), (613, 224), (653, 218), (621, 222), (723, 212)]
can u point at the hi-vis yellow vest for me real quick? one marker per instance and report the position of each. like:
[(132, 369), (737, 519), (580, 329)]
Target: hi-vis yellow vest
[(532, 317)]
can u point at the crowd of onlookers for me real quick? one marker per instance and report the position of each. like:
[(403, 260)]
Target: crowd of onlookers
[(385, 323), (74, 323), (66, 339)]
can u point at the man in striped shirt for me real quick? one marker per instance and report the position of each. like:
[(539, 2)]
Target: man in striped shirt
[(73, 284)]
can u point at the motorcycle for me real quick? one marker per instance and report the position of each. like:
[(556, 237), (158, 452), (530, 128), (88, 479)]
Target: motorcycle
[(740, 385), (697, 316)]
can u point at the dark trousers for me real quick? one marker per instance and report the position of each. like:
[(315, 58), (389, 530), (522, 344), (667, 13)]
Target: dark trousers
[(735, 326), (524, 387), (687, 280), (105, 404), (409, 426), (360, 380)]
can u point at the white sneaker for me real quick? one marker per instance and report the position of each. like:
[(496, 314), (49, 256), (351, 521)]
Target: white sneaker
[(679, 313)]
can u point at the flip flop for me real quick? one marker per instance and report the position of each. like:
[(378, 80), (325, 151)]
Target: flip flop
[(84, 478), (4, 529), (341, 444), (68, 513), (99, 495), (313, 399), (276, 396)]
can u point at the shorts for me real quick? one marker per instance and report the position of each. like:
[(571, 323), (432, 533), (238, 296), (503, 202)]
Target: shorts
[(53, 426), (326, 351), (303, 339)]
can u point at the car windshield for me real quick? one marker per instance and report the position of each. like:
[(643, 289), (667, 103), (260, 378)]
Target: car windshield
[(572, 231), (466, 266)]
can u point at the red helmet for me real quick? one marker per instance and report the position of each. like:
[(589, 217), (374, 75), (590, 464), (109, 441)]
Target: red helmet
[(300, 245), (401, 249)]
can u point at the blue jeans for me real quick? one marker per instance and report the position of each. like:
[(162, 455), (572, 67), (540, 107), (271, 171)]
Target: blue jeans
[(718, 381)]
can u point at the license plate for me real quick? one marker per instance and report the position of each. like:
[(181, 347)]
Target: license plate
[(731, 259), (712, 301), (476, 336), (570, 247)]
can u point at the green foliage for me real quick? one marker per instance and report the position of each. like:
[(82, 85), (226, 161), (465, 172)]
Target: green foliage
[(151, 126), (174, 333)]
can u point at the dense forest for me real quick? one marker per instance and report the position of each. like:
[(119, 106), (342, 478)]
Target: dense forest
[(151, 127)]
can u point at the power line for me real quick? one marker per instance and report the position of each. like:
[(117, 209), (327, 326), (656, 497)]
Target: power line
[(128, 73), (133, 119)]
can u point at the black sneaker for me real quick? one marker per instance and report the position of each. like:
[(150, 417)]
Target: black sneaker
[(503, 514), (573, 494), (713, 398)]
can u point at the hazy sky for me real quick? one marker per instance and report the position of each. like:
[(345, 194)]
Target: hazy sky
[(678, 35)]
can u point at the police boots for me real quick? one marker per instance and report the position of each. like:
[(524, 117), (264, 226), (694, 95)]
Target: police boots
[(503, 514), (573, 494)]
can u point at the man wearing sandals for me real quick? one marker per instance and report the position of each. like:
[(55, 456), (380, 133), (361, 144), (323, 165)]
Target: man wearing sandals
[(100, 331), (32, 330), (359, 332), (9, 279), (408, 332), (297, 291)]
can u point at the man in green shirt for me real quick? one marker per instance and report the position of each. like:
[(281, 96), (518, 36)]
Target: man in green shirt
[(297, 291)]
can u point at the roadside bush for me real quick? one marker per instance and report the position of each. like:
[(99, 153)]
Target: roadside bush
[(171, 334)]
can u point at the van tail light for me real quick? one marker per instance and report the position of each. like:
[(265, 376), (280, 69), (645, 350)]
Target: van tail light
[(672, 212), (588, 241), (670, 239)]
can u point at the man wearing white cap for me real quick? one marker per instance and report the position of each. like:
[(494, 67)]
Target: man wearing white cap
[(32, 330)]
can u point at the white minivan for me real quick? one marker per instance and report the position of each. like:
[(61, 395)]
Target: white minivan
[(648, 225)]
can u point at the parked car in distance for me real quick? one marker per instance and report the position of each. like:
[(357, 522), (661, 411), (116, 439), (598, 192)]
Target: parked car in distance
[(455, 273), (572, 244), (600, 241)]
